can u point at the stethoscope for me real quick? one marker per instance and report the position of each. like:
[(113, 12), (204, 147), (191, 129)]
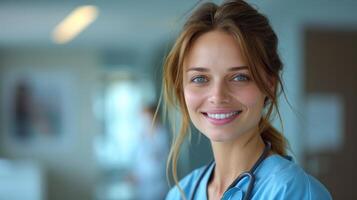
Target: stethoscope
[(249, 174)]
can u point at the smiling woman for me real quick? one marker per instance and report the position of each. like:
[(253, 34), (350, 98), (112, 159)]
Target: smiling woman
[(223, 73), (225, 103)]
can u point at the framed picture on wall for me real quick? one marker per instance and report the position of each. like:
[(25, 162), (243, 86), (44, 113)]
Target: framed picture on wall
[(37, 108)]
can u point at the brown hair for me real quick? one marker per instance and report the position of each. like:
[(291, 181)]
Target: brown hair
[(258, 43)]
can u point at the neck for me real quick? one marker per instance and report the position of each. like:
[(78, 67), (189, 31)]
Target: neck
[(234, 158)]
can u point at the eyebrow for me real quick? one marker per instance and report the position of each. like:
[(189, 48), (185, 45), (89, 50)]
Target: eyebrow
[(202, 69)]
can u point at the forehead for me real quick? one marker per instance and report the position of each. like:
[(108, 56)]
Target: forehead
[(215, 49)]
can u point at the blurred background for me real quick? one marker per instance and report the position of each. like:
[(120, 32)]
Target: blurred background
[(78, 81)]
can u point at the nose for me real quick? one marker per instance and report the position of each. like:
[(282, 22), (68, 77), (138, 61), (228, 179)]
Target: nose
[(219, 93)]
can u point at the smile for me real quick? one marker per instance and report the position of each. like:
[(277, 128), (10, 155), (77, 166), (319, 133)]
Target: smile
[(221, 118)]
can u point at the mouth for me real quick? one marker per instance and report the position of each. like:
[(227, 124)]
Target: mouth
[(221, 118)]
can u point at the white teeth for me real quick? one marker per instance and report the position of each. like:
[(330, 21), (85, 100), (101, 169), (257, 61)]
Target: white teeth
[(222, 116)]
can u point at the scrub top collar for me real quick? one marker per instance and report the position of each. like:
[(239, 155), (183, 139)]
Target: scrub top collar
[(237, 192)]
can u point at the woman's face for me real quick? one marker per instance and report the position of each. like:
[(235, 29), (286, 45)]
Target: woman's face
[(222, 100)]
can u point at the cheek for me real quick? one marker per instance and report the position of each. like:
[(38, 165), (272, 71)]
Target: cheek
[(192, 99), (252, 98)]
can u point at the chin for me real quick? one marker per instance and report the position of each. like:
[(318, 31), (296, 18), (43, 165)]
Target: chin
[(220, 136)]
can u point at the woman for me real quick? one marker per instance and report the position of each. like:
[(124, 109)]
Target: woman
[(223, 73), (149, 163)]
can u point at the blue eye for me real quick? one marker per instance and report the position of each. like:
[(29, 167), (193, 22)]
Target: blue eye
[(241, 77), (199, 79)]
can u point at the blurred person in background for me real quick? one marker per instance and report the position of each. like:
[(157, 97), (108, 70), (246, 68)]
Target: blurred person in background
[(148, 172), (224, 74), (23, 111)]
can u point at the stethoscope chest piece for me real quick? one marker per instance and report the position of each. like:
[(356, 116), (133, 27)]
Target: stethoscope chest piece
[(235, 193)]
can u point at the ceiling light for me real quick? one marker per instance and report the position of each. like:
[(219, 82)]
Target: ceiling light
[(74, 23)]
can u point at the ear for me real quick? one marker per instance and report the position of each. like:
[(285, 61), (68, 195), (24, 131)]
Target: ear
[(266, 101), (272, 83)]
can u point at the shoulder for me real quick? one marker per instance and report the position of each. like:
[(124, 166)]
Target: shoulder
[(187, 184), (288, 180)]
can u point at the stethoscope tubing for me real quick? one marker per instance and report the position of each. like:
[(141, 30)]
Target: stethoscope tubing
[(249, 174)]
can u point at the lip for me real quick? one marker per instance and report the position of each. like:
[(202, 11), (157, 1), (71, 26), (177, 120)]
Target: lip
[(219, 122), (221, 111)]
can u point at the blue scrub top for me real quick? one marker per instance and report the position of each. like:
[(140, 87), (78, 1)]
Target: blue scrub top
[(275, 178)]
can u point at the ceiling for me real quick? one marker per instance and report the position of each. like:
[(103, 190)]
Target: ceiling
[(120, 23)]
